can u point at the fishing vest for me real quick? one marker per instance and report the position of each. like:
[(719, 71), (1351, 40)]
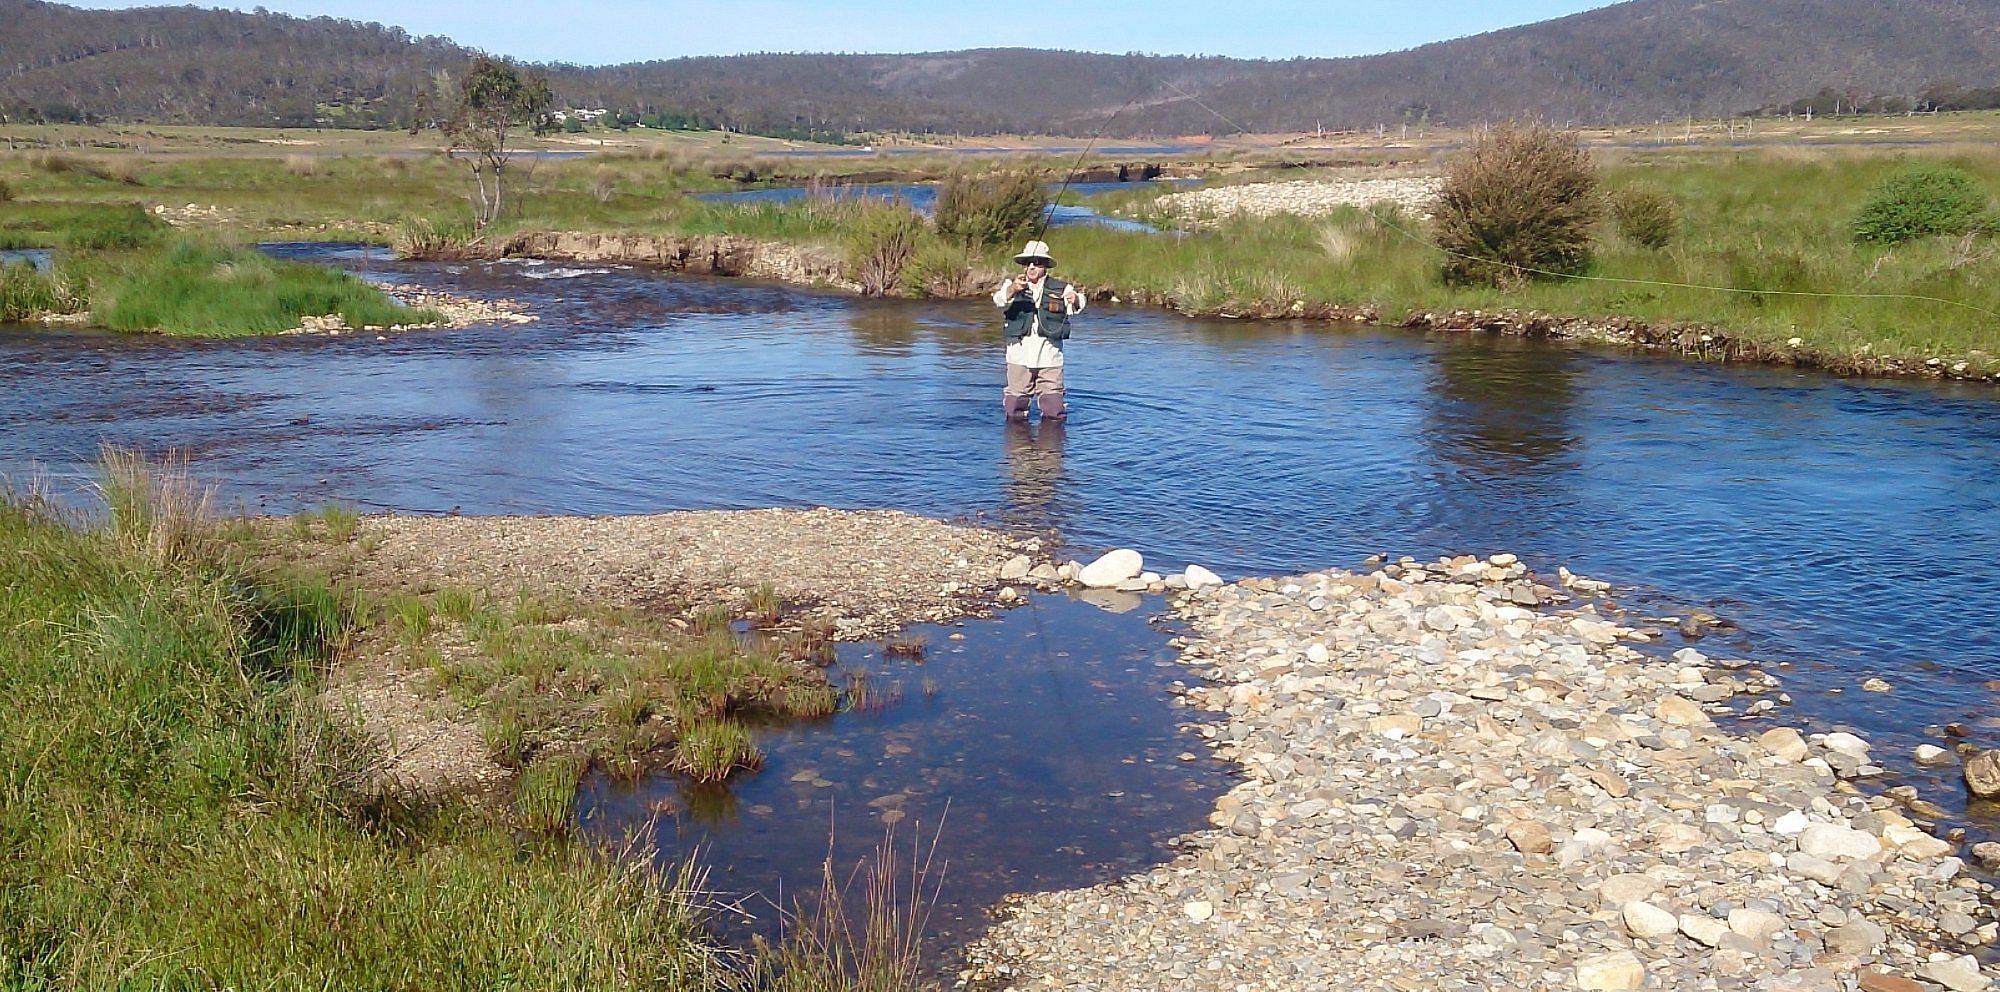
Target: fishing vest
[(1021, 313)]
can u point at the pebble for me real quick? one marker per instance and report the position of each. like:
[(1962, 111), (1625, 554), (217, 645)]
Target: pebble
[(1443, 789)]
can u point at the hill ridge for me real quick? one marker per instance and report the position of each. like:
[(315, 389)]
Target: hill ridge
[(1636, 61)]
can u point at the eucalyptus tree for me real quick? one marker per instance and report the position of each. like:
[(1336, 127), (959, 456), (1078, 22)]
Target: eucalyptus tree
[(480, 114)]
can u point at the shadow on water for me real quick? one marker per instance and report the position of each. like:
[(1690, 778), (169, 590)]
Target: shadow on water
[(1039, 750)]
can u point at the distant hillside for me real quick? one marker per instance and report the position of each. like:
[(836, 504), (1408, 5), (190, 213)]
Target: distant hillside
[(1635, 61), (188, 65)]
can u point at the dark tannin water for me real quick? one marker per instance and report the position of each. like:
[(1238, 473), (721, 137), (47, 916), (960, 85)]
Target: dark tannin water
[(1847, 529)]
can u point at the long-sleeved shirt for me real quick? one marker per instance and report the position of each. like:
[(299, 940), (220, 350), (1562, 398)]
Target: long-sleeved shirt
[(1034, 351)]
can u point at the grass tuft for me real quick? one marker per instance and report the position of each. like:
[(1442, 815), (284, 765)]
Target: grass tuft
[(861, 933)]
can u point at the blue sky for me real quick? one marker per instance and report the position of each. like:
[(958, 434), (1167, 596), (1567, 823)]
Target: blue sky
[(600, 32)]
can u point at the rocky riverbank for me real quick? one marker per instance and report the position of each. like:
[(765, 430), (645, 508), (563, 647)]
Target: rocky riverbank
[(1693, 341), (1449, 785), (453, 311), (1303, 197)]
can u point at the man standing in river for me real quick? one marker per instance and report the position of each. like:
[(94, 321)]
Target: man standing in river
[(1037, 311)]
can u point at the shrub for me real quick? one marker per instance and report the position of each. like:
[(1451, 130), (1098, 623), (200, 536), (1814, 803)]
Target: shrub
[(990, 209), (941, 269), (427, 237), (1646, 217), (883, 241), (1518, 204), (6, 192), (1918, 201)]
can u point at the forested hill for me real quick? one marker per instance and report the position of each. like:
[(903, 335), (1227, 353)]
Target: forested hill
[(1635, 61), (189, 65)]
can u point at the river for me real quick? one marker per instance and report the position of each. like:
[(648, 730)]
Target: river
[(1845, 528)]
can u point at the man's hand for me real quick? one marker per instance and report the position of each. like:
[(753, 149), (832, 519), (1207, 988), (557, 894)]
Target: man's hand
[(1020, 284)]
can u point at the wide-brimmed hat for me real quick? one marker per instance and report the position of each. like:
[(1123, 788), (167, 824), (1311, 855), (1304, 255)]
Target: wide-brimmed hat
[(1036, 251)]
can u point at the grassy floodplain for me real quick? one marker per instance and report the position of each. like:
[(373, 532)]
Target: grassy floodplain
[(1761, 254), (180, 808)]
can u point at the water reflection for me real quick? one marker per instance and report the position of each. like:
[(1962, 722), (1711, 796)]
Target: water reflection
[(889, 332), (1034, 472), (1039, 749), (1502, 410)]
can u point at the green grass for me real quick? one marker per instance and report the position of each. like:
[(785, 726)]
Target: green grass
[(26, 292), (79, 225), (178, 811), (203, 289), (544, 676), (1755, 228)]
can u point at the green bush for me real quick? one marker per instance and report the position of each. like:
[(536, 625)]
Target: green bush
[(988, 208), (1518, 205), (883, 240), (1918, 201), (941, 269), (6, 192), (1645, 217)]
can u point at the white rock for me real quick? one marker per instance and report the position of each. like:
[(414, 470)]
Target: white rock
[(1629, 887), (1617, 970), (1594, 631), (1818, 869), (1845, 743), (1959, 974), (1705, 930), (1824, 840), (1201, 578), (1112, 568), (1199, 911), (1790, 824), (1017, 567), (1756, 924), (1643, 919), (1785, 743), (1680, 711), (1931, 754)]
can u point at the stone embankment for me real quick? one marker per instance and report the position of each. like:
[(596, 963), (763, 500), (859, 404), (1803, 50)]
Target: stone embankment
[(1449, 784), (1304, 197)]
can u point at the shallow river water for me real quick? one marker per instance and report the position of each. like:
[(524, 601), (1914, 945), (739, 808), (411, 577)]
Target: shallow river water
[(1847, 529)]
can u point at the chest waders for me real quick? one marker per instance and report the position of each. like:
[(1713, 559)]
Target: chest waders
[(1049, 320)]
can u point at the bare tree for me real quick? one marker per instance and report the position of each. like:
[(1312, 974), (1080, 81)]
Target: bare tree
[(480, 114)]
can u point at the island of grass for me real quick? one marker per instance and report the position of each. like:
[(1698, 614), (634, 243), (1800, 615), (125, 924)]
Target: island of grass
[(114, 266)]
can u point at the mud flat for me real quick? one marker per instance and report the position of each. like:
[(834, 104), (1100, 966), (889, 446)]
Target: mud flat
[(1451, 785)]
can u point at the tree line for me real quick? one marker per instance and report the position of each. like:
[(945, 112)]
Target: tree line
[(1636, 61)]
